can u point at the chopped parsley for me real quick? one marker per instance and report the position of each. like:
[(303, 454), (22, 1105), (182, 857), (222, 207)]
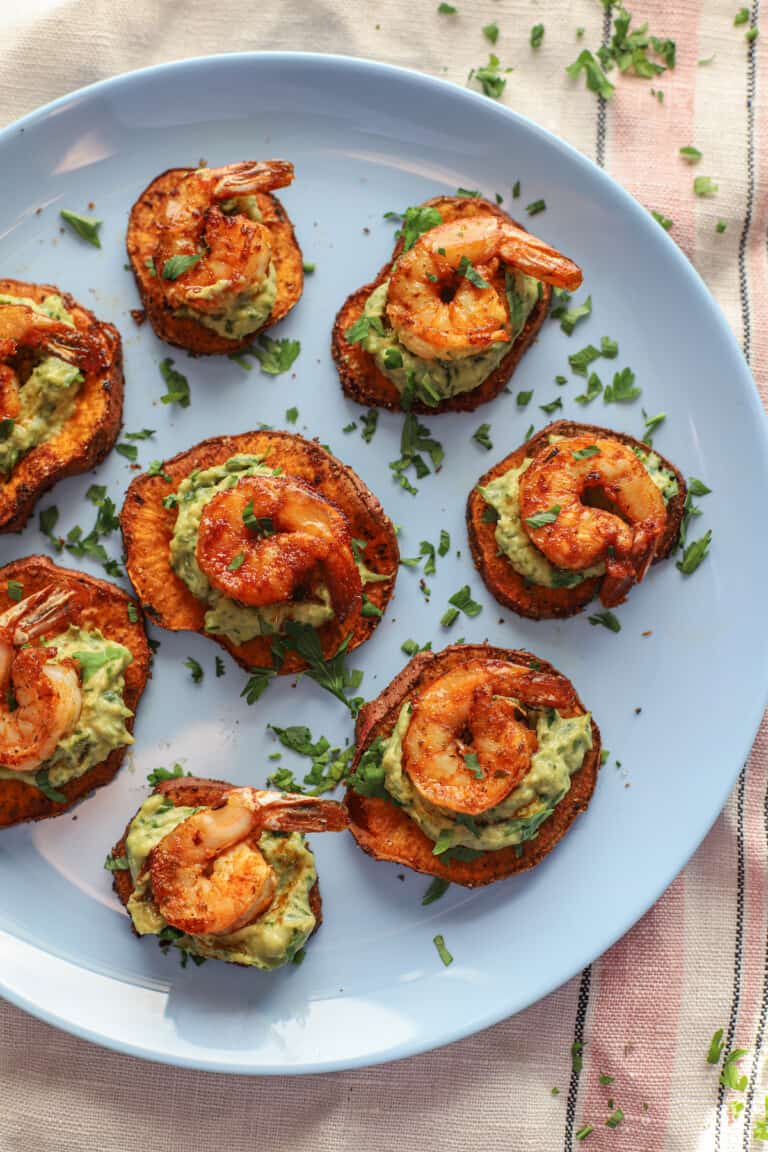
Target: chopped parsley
[(615, 1118), (623, 389), (607, 619), (537, 35), (584, 1131), (275, 356), (741, 17), (608, 348), (490, 77), (308, 267), (541, 519), (116, 863), (177, 265), (257, 525), (605, 1079), (7, 425), (236, 562), (130, 451), (133, 614), (436, 889), (516, 190), (665, 221), (393, 358), (694, 553), (415, 442), (594, 388), (730, 1077), (442, 951), (523, 399), (358, 331), (195, 669), (220, 668), (176, 383), (331, 674), (145, 434), (586, 453), (257, 684), (481, 436), (571, 316), (691, 154), (536, 207), (472, 762), (292, 415), (491, 32), (446, 9), (751, 35), (704, 186), (651, 423), (552, 406), (15, 590), (581, 360), (720, 226), (369, 422), (156, 469), (329, 765), (469, 272), (577, 1060), (416, 219), (596, 79), (91, 662), (42, 782), (461, 601), (86, 227), (716, 1045)]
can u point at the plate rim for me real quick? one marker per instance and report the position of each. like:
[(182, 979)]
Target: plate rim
[(639, 216)]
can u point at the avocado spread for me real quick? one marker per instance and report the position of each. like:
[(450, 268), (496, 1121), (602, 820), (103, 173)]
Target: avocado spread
[(503, 494), (234, 315), (270, 941), (101, 725), (226, 617), (437, 380), (46, 397), (562, 745)]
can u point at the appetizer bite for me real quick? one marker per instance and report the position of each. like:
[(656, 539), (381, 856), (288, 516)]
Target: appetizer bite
[(61, 393), (575, 512), (242, 536), (74, 661), (224, 873), (472, 764), (446, 321), (214, 254)]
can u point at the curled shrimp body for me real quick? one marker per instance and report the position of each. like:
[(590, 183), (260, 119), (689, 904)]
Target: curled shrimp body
[(233, 252), (468, 744), (208, 875), (438, 312), (46, 694), (26, 336), (625, 535), (271, 537)]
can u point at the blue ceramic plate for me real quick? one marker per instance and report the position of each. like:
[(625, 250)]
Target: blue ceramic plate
[(366, 139)]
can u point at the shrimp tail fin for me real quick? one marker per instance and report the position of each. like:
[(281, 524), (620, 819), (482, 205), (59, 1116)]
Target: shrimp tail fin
[(33, 615), (250, 176), (291, 813)]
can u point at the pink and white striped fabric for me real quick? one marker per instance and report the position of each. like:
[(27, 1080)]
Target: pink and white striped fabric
[(698, 961)]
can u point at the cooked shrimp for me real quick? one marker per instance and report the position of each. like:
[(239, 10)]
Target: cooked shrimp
[(438, 312), (271, 537), (25, 333), (40, 700), (10, 404), (208, 875), (475, 713), (625, 535), (234, 252)]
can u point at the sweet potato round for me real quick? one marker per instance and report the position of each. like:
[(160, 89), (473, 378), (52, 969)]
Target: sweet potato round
[(101, 605), (193, 792), (86, 438), (361, 379), (148, 527), (507, 585), (386, 832), (144, 231)]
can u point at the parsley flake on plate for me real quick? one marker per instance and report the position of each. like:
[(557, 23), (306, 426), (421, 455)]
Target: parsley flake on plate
[(195, 669), (607, 619), (176, 383), (436, 889), (442, 951), (275, 356), (86, 227), (482, 437), (490, 77)]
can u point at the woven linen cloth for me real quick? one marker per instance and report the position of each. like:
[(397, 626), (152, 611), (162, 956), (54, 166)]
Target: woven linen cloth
[(697, 961)]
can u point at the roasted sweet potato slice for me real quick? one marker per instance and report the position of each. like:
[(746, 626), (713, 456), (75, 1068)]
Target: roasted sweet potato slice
[(361, 379), (148, 527), (98, 604), (145, 227), (504, 583), (192, 791), (88, 435), (386, 832)]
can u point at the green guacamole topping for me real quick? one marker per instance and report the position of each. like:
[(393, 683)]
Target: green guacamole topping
[(563, 744), (270, 941), (437, 380), (226, 617), (47, 396), (238, 313), (503, 494), (101, 725)]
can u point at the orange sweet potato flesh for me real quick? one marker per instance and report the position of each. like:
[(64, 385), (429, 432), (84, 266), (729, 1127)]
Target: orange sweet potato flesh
[(86, 438), (192, 792), (148, 527), (98, 604), (386, 832), (508, 586), (361, 379), (144, 232)]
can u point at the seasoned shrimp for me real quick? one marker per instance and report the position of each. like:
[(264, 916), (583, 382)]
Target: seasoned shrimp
[(626, 535), (468, 744), (40, 700), (26, 334), (269, 537), (208, 875), (438, 312), (10, 404), (233, 252)]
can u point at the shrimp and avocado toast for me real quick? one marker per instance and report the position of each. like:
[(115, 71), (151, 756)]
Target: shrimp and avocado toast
[(223, 872), (214, 254), (74, 661), (445, 323), (61, 393), (577, 511), (245, 537), (472, 764)]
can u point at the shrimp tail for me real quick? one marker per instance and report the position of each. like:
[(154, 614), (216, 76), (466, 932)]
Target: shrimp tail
[(251, 176), (536, 258), (33, 615), (291, 813)]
